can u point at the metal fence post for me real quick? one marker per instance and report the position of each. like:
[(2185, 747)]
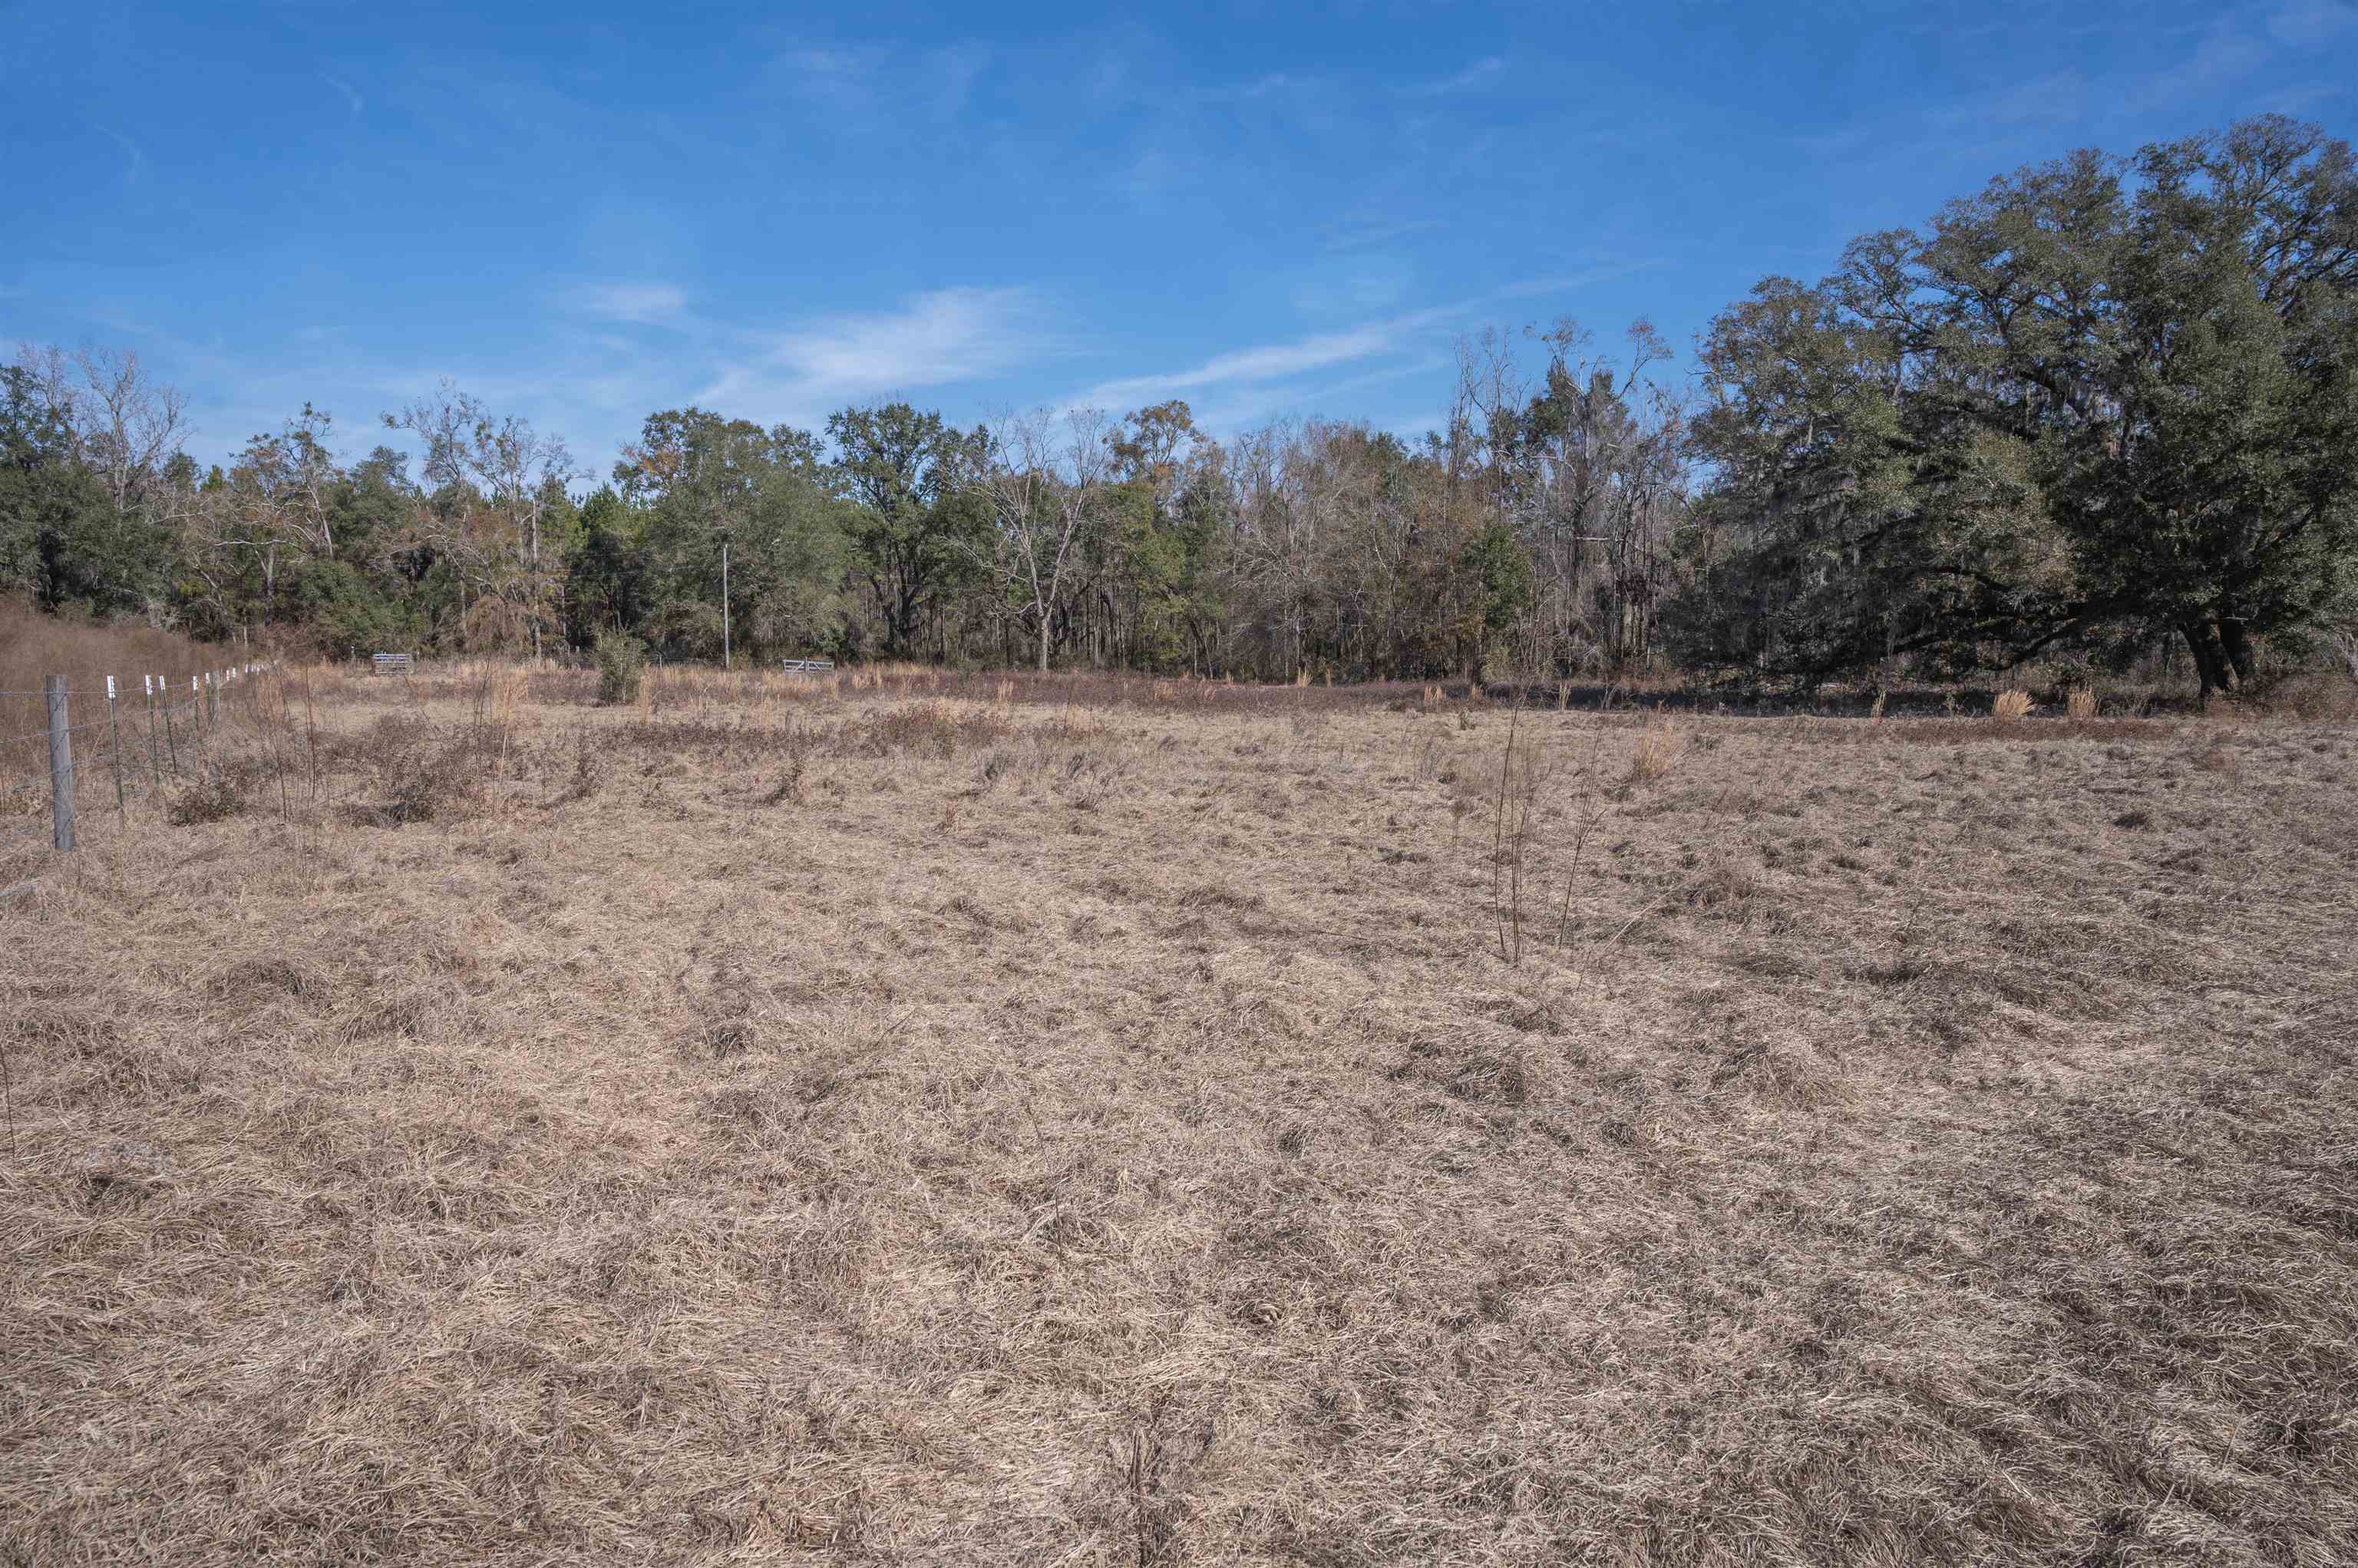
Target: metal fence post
[(114, 730), (61, 800), (201, 720), (154, 763)]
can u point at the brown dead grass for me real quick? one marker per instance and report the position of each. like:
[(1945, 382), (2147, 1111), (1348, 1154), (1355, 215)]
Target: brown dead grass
[(1098, 1127), (35, 646)]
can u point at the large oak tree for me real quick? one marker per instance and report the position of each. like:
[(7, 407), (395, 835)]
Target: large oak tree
[(2104, 396)]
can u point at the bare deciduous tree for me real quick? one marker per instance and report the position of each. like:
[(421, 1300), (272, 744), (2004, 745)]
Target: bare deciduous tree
[(135, 423), (1044, 491), (124, 423), (514, 469)]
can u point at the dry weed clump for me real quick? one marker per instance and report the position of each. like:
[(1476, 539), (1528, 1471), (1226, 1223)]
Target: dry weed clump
[(703, 740), (2009, 706), (414, 770), (2315, 696), (1105, 1131), (1661, 746), (940, 727), (2080, 705), (218, 793)]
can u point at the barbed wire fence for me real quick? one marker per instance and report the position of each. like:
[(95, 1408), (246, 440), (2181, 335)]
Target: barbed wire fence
[(83, 744)]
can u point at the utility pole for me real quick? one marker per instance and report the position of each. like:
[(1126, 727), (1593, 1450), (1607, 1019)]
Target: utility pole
[(724, 604), (534, 516)]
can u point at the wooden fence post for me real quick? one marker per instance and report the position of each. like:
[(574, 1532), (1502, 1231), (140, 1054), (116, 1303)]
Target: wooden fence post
[(61, 800)]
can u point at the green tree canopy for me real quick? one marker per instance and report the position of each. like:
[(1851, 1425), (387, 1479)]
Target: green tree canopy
[(920, 522), (2104, 396)]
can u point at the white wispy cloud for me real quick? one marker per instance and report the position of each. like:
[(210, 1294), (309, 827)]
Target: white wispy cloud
[(352, 98), (1159, 169), (1359, 285), (841, 80), (1604, 271), (2305, 23), (2299, 99), (2051, 99), (2229, 52), (1270, 84), (1361, 232), (870, 85), (1268, 377), (641, 302), (952, 72), (939, 339), (135, 162), (2225, 54), (1473, 75), (1268, 362), (1226, 415)]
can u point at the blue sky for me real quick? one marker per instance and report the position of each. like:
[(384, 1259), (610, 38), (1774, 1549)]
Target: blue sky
[(582, 215)]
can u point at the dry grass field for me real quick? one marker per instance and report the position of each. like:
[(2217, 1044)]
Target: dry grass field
[(1070, 1121)]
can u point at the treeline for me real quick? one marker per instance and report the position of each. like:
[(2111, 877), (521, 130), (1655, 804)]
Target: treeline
[(2106, 407), (1076, 538)]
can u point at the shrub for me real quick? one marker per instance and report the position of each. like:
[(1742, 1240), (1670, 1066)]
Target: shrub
[(588, 772), (430, 782), (621, 662), (220, 795), (422, 773), (2313, 696)]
